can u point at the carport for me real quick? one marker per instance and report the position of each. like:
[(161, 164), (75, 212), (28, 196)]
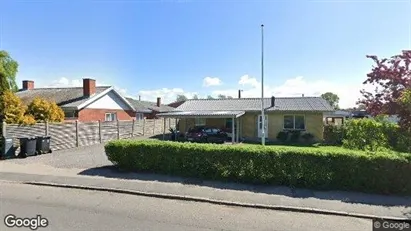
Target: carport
[(234, 115)]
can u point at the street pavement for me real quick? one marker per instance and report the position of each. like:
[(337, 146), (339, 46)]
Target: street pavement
[(72, 209)]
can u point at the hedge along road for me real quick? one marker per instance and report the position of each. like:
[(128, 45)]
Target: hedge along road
[(323, 168)]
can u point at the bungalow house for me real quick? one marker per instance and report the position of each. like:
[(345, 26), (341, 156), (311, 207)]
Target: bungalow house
[(243, 120), (86, 103), (148, 110)]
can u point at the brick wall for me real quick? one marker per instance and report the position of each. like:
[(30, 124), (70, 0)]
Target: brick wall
[(99, 114)]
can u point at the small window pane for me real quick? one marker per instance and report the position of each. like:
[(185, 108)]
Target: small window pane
[(299, 122), (108, 117), (289, 122)]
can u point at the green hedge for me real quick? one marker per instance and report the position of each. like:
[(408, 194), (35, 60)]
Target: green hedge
[(326, 168)]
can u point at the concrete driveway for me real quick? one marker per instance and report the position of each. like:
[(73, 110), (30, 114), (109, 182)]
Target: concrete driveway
[(77, 158), (84, 157)]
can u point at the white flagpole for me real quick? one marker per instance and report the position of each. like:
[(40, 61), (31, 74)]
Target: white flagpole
[(262, 88)]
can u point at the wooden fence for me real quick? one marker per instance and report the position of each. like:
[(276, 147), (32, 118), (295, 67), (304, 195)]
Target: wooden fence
[(68, 135)]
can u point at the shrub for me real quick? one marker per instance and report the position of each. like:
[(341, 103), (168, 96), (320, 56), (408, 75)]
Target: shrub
[(307, 137), (371, 134), (333, 135), (403, 141), (13, 109), (326, 168), (43, 110), (282, 136), (295, 136)]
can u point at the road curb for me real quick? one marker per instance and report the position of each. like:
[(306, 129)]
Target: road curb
[(213, 201)]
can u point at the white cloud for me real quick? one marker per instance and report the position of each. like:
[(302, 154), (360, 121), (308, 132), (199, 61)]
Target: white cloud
[(211, 81), (65, 82), (247, 80), (168, 95), (349, 93), (296, 87)]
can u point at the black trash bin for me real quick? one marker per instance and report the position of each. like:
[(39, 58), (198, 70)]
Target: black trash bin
[(27, 146), (43, 144), (7, 150)]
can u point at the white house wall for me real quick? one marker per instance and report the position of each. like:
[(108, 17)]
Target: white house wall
[(109, 101)]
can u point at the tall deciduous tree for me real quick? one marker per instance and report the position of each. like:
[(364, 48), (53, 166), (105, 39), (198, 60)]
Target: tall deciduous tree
[(209, 97), (8, 71), (195, 97), (332, 99), (392, 77)]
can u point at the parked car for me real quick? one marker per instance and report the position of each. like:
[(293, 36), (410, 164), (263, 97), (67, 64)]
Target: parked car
[(206, 134)]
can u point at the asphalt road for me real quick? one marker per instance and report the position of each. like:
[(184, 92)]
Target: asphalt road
[(69, 209)]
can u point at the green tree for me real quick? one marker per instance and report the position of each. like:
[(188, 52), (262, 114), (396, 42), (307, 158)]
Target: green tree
[(8, 71), (181, 98), (405, 99), (43, 110), (13, 109), (332, 99), (195, 97), (209, 97)]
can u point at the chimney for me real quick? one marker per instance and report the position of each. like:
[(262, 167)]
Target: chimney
[(239, 93), (272, 101), (28, 85), (158, 101), (303, 95), (89, 87), (139, 98)]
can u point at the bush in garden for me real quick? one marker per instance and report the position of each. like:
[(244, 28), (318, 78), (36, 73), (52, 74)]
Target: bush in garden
[(365, 134), (13, 109), (295, 136), (333, 135), (326, 168), (43, 110), (282, 136), (307, 137)]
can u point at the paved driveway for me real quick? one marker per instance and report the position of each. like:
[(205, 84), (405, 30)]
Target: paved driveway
[(79, 158)]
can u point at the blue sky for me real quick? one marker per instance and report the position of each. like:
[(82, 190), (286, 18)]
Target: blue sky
[(164, 48)]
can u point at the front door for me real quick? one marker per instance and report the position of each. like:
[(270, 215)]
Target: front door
[(260, 126)]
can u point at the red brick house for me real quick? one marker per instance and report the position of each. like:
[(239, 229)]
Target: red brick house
[(87, 103)]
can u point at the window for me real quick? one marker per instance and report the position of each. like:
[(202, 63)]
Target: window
[(111, 117), (200, 121), (294, 122), (70, 114), (139, 116)]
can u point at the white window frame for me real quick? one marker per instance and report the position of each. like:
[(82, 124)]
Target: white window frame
[(139, 116), (198, 121), (112, 116), (305, 124)]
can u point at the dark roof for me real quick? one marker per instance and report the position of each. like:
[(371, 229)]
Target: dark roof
[(147, 107), (218, 114), (64, 97), (254, 104), (176, 104)]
